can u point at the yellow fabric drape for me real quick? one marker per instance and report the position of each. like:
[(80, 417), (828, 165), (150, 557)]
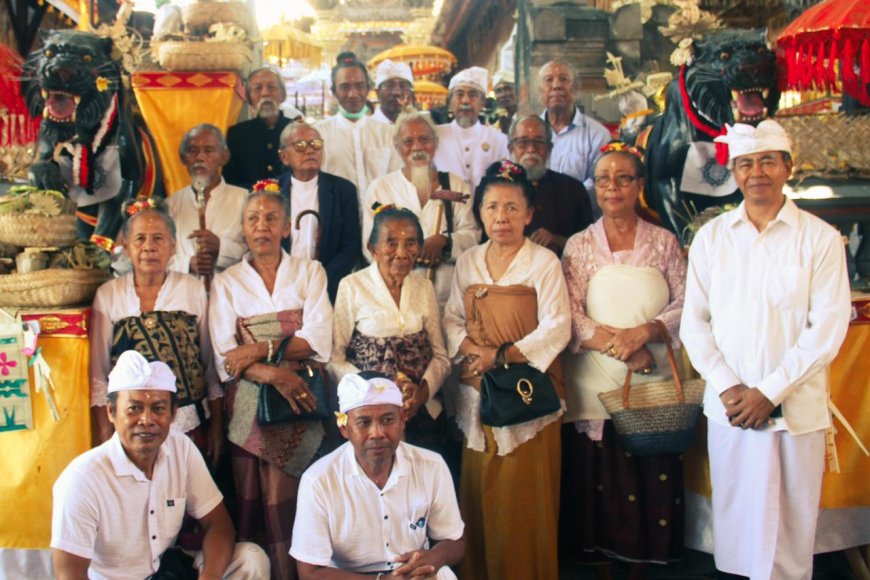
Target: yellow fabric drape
[(850, 391), (172, 103), (32, 460)]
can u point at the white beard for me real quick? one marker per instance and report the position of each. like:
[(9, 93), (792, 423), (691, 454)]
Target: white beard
[(422, 181)]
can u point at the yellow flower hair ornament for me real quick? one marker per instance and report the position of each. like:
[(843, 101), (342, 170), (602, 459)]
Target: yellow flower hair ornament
[(340, 418), (270, 185), (141, 204)]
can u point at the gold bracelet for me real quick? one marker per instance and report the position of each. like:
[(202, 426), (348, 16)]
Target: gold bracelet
[(271, 353)]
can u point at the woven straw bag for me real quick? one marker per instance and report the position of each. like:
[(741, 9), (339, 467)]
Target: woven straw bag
[(29, 229), (658, 417), (50, 288)]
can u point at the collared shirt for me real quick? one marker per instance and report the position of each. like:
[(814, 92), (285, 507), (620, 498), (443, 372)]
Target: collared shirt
[(364, 303), (576, 148), (358, 151), (223, 218), (239, 292), (344, 521), (106, 509), (117, 299), (767, 309), (303, 240), (395, 188), (468, 152)]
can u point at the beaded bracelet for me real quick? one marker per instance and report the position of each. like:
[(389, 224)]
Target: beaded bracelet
[(271, 353)]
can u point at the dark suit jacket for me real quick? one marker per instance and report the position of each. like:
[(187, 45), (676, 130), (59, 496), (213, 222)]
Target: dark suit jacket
[(340, 246), (254, 152)]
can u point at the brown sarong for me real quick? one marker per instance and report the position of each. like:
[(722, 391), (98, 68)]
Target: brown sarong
[(290, 447), (510, 503), (409, 354)]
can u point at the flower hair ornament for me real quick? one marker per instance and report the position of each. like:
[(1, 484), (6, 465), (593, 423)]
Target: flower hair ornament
[(620, 147), (141, 204), (509, 170), (268, 185)]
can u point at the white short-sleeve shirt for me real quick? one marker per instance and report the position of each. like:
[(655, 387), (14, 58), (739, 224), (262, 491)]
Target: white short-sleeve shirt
[(344, 521), (107, 511)]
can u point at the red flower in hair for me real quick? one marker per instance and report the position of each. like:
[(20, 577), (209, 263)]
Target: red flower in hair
[(270, 185)]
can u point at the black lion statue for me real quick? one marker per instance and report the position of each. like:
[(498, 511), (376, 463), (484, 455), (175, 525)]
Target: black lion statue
[(731, 79), (89, 145)]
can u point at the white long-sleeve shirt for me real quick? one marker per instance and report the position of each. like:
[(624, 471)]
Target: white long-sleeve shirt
[(468, 152), (223, 218), (239, 292), (364, 303), (358, 151), (533, 266), (769, 310)]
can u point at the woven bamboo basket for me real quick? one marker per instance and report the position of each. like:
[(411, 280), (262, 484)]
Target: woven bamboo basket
[(28, 229), (52, 287), (198, 16), (181, 55), (830, 145)]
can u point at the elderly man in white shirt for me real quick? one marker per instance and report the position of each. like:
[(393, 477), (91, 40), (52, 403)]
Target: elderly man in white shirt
[(376, 507), (467, 146), (767, 308), (118, 508), (577, 138), (394, 82), (357, 148), (204, 251), (440, 200)]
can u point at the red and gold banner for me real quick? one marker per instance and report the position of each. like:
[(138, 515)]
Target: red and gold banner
[(71, 323), (173, 102)]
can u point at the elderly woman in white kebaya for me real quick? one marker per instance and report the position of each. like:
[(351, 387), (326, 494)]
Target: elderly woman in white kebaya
[(263, 299), (164, 316), (386, 320)]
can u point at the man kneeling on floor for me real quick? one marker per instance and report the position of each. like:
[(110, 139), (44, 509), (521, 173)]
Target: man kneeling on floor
[(371, 508), (119, 506)]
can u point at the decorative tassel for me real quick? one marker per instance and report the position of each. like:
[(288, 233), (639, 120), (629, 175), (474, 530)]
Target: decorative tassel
[(862, 95), (722, 154), (831, 73), (847, 67)]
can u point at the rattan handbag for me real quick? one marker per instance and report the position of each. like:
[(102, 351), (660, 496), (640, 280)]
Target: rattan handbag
[(659, 417)]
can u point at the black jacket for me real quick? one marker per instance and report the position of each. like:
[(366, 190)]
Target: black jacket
[(254, 152), (340, 246)]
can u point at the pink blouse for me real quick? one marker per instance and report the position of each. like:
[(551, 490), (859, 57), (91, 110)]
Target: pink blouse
[(587, 252)]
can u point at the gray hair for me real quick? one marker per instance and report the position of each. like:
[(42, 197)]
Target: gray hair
[(161, 209), (255, 195), (290, 129), (413, 116), (193, 131), (548, 131), (561, 62), (266, 69)]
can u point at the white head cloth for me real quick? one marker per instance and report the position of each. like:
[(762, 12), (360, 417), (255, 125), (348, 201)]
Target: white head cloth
[(475, 77), (134, 372), (393, 70), (503, 76), (355, 391), (745, 139)]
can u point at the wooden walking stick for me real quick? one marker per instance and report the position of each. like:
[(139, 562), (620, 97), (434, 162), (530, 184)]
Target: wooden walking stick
[(439, 217), (199, 184)]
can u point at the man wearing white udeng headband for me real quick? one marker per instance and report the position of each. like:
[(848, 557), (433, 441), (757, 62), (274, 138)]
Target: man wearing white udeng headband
[(355, 514), (767, 308)]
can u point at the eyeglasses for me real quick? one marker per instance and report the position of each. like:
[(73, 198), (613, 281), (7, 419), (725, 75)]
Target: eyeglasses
[(302, 144), (620, 180), (525, 143)]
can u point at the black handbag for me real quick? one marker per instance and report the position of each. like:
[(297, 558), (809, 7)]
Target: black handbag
[(273, 408), (515, 393)]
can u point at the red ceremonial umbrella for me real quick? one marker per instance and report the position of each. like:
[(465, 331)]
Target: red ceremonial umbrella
[(830, 33)]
